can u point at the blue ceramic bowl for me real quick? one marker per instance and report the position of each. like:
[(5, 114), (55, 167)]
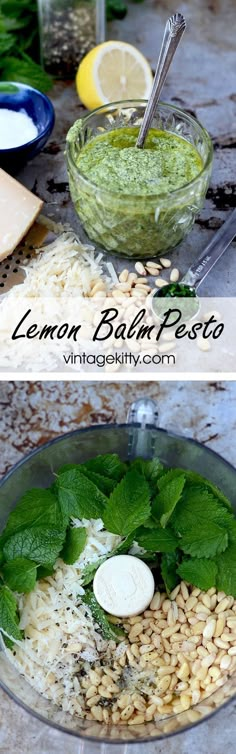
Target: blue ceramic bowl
[(14, 96)]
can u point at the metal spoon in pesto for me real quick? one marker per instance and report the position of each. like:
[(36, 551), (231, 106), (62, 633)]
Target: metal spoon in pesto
[(174, 30), (199, 270)]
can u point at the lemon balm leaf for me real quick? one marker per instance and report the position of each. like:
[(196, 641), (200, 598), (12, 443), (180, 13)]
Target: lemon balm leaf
[(20, 574), (8, 614), (198, 571), (157, 540), (128, 506), (79, 496), (74, 544), (38, 544), (168, 497), (204, 542)]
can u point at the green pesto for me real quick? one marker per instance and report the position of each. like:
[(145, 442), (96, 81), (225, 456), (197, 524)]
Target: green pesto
[(113, 162)]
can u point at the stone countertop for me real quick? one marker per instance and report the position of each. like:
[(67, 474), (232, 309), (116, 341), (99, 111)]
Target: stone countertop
[(201, 80), (33, 413)]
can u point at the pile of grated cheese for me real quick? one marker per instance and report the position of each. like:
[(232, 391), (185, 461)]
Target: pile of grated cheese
[(60, 633)]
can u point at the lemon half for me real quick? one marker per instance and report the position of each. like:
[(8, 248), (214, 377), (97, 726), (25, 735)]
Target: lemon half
[(113, 71)]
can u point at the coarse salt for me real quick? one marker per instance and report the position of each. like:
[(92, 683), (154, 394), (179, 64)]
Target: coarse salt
[(16, 128)]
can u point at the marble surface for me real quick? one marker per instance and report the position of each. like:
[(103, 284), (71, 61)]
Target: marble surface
[(32, 413), (201, 81)]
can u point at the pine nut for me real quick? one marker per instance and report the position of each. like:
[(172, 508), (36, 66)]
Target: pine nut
[(232, 651), (139, 267), (165, 670), (190, 603), (185, 701), (153, 271), (220, 624), (123, 277), (165, 262), (160, 282), (223, 604), (208, 660), (155, 601), (127, 712), (183, 672), (206, 600), (90, 692), (209, 629), (135, 631), (225, 662), (124, 287), (174, 275), (97, 713), (184, 591), (93, 700), (132, 277)]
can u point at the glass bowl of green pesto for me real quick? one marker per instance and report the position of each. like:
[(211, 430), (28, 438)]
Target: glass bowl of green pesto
[(138, 203)]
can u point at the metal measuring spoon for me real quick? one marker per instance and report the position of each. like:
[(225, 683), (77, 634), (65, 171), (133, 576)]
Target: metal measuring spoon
[(174, 30), (200, 269)]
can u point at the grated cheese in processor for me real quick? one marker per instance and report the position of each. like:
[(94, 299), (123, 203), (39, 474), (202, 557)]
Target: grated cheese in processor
[(60, 633)]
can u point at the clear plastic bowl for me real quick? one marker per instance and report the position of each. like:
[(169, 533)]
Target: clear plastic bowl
[(132, 225), (36, 470)]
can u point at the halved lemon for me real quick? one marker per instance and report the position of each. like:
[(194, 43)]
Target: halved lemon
[(113, 71)]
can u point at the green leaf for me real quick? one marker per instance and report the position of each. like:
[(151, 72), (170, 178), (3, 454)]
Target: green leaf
[(108, 631), (152, 470), (128, 506), (20, 574), (226, 575), (26, 71), (107, 465), (104, 483), (74, 544), (193, 476), (44, 571), (39, 544), (157, 540), (199, 571), (8, 614), (8, 87), (204, 542), (170, 494), (36, 508), (199, 507), (78, 496), (169, 563)]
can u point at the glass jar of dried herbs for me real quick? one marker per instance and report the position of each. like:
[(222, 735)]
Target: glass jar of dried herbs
[(68, 30)]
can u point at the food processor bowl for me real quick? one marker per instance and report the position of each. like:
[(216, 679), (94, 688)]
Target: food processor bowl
[(141, 436)]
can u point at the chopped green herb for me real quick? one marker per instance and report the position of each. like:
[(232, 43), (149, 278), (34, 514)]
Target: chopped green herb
[(108, 631)]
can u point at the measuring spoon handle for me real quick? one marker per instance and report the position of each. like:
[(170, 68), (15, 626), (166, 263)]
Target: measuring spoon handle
[(174, 30), (213, 251)]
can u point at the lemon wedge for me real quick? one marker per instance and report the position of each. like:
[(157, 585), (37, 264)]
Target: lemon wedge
[(113, 71)]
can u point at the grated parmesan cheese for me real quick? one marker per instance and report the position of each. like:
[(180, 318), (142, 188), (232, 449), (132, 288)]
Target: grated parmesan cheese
[(60, 633)]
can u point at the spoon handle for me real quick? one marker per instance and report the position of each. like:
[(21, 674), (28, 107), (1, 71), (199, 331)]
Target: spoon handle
[(213, 251), (174, 30)]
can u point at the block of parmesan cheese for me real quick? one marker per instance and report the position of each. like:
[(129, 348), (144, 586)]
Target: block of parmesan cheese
[(18, 210)]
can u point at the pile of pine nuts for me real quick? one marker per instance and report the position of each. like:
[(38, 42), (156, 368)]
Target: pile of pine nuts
[(177, 653)]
